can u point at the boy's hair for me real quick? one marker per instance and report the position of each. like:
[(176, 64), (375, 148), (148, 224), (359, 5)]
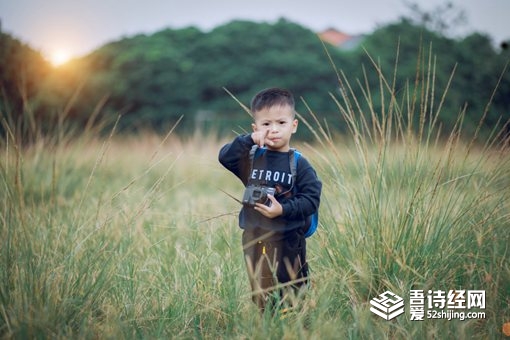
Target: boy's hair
[(272, 97)]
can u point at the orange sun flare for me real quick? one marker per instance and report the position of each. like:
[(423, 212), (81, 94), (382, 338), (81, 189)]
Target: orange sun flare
[(59, 57)]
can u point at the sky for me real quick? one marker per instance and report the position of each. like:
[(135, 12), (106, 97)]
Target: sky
[(67, 28)]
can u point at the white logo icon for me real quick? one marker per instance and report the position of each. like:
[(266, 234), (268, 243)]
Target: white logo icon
[(387, 305)]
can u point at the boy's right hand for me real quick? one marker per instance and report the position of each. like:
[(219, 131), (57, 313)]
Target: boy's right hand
[(260, 137)]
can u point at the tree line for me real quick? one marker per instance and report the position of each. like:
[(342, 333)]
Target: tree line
[(153, 80)]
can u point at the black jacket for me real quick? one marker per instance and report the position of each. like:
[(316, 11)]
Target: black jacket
[(273, 169)]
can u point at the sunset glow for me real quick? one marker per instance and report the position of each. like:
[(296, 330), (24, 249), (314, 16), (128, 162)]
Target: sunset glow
[(59, 57)]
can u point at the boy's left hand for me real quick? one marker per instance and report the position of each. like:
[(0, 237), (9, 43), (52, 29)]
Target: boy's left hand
[(272, 211)]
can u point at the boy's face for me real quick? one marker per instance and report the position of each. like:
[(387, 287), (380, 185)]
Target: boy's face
[(280, 124)]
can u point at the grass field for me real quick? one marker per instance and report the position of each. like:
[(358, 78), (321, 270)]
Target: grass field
[(132, 238), (122, 237)]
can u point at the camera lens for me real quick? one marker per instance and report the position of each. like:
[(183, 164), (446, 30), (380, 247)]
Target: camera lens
[(259, 196)]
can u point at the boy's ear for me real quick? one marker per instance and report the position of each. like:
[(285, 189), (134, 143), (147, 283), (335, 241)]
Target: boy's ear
[(254, 126), (295, 124)]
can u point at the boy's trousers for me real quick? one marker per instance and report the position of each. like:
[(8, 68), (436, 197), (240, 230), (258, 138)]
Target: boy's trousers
[(276, 264)]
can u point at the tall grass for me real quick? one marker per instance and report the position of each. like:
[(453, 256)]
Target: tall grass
[(409, 207), (134, 237)]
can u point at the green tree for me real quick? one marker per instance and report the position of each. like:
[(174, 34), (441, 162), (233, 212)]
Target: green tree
[(22, 71), (474, 63), (154, 79)]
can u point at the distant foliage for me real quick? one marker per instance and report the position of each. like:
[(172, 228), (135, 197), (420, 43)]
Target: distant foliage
[(153, 80), (22, 71)]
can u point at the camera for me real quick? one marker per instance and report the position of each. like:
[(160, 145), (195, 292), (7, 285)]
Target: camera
[(257, 194)]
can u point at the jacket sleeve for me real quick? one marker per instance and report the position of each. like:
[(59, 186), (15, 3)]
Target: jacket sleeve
[(307, 198), (235, 156)]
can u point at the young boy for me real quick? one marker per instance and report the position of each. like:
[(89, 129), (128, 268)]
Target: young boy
[(273, 238)]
